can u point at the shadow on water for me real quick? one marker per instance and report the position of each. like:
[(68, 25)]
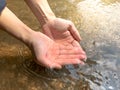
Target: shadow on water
[(99, 26)]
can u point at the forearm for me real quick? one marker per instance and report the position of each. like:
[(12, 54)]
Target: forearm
[(14, 26), (41, 10)]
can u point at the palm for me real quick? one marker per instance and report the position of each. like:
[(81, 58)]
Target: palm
[(54, 54), (68, 50)]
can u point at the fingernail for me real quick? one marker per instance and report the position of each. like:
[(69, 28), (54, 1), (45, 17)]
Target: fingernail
[(78, 61), (54, 66), (85, 59), (82, 63)]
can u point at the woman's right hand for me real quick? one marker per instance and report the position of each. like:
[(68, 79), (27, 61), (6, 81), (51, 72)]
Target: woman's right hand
[(54, 54)]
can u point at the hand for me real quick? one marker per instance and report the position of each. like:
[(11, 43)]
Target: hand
[(60, 28), (64, 32), (53, 54)]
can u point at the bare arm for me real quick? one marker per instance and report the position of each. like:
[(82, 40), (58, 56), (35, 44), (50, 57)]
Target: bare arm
[(49, 22), (14, 26), (45, 50), (41, 10)]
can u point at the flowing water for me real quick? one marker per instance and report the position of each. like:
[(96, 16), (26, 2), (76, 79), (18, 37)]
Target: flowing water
[(98, 22)]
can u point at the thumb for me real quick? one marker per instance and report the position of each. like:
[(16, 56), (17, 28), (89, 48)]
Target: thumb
[(74, 32)]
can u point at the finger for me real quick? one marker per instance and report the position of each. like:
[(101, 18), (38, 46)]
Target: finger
[(74, 32), (66, 47), (80, 57), (85, 59), (69, 61), (76, 44), (50, 64), (68, 52), (70, 57), (72, 51), (55, 65)]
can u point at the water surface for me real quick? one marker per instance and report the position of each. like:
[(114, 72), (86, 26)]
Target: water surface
[(98, 22)]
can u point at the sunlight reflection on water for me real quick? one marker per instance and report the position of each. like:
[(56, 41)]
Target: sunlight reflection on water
[(101, 22)]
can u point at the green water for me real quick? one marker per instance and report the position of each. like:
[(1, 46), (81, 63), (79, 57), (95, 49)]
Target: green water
[(99, 25)]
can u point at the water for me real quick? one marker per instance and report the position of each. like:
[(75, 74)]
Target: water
[(99, 25)]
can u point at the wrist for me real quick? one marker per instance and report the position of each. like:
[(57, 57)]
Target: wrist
[(27, 36), (41, 10), (35, 37), (45, 14)]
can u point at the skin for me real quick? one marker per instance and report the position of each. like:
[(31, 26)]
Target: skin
[(65, 49), (60, 30), (54, 47), (48, 20)]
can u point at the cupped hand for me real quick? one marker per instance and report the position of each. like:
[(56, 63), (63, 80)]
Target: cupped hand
[(58, 29), (64, 33), (55, 54)]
